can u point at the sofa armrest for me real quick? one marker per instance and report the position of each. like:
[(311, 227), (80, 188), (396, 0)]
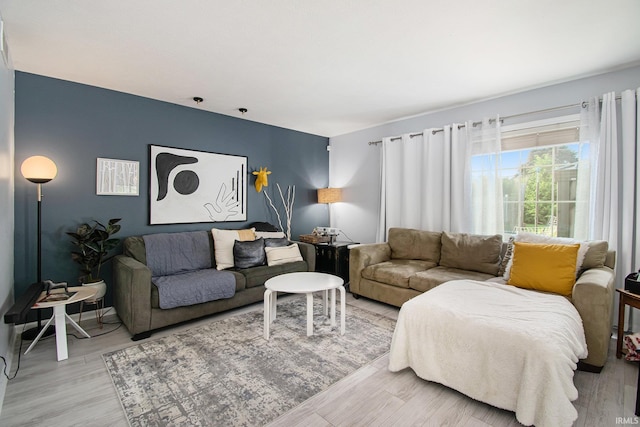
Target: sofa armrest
[(132, 293), (593, 298), (308, 252), (362, 256)]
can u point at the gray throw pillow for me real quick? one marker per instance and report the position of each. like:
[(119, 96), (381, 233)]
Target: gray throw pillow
[(249, 253), (273, 242)]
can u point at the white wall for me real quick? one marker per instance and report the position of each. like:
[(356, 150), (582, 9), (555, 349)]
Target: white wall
[(354, 164), (6, 213)]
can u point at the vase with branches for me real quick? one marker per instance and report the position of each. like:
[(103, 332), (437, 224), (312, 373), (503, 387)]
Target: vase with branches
[(287, 203)]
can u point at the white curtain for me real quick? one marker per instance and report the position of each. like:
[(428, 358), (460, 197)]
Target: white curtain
[(585, 202), (616, 208), (629, 237), (485, 148), (423, 183), (605, 217)]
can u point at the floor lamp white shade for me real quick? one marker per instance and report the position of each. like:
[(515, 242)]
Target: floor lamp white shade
[(39, 169)]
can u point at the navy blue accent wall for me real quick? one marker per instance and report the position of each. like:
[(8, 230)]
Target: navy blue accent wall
[(73, 124)]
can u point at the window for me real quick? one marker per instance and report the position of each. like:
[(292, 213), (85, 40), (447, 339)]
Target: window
[(540, 166)]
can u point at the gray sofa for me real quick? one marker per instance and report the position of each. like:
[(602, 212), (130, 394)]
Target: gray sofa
[(137, 300), (413, 261)]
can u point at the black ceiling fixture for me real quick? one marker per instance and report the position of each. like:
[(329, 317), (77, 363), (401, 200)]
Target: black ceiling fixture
[(197, 99), (242, 110)]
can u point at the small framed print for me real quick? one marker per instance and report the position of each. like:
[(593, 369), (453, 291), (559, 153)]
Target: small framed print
[(117, 177)]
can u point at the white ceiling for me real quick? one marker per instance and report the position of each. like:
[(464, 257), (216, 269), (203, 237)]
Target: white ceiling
[(326, 67)]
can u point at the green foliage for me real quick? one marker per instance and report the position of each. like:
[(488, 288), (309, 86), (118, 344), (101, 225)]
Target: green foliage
[(537, 178), (93, 242)]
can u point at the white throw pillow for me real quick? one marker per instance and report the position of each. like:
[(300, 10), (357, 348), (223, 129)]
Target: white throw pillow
[(223, 244), (539, 238), (283, 254)]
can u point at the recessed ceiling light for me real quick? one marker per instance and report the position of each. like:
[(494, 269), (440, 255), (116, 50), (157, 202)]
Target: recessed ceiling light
[(197, 99), (242, 110)]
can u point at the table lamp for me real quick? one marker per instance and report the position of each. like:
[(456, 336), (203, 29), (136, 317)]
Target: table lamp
[(329, 196)]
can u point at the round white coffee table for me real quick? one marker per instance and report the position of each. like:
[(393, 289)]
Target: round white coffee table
[(304, 283)]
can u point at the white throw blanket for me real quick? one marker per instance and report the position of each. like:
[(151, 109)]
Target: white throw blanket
[(511, 348)]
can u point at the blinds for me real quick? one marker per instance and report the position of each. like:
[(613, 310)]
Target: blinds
[(539, 136)]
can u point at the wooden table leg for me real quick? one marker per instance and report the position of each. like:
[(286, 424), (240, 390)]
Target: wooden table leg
[(620, 326)]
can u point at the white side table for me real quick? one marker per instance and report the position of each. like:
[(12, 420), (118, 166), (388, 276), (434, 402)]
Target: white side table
[(60, 315), (304, 283)]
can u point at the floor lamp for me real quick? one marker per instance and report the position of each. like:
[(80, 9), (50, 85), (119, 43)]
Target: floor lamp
[(39, 170)]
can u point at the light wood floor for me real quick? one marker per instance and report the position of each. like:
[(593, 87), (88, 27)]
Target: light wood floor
[(79, 392)]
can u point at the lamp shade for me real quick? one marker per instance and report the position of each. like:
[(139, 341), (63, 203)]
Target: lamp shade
[(39, 169), (329, 195)]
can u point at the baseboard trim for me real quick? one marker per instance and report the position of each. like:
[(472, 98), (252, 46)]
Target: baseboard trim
[(87, 314)]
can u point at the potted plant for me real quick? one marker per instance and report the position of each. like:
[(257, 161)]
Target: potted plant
[(93, 243)]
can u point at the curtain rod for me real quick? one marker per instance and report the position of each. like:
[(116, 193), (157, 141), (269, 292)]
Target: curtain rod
[(582, 104)]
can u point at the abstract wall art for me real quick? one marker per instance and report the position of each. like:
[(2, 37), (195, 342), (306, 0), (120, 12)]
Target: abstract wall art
[(189, 186)]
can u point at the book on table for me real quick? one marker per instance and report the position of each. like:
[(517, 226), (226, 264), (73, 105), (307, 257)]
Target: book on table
[(57, 296)]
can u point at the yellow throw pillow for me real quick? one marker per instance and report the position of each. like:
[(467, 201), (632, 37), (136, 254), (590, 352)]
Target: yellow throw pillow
[(544, 267), (223, 244)]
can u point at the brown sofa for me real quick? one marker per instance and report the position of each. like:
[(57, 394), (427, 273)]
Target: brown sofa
[(413, 261)]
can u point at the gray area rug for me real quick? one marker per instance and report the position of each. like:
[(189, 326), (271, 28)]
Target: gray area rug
[(225, 373)]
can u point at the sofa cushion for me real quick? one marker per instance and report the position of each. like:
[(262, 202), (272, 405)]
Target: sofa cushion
[(274, 242), (194, 287), (540, 238), (261, 226), (396, 272), (277, 255), (248, 254), (425, 280), (596, 254), (506, 257), (471, 252), (256, 276), (544, 267), (133, 246), (270, 234), (223, 244), (407, 243), (241, 282), (174, 253)]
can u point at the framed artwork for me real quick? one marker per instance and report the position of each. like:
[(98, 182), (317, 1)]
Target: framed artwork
[(188, 186), (117, 177)]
